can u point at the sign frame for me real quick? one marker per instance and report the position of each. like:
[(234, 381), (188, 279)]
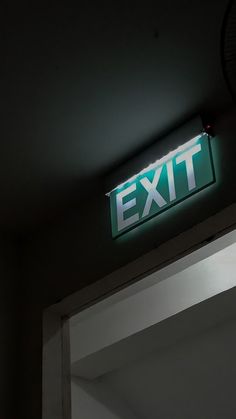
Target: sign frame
[(149, 174)]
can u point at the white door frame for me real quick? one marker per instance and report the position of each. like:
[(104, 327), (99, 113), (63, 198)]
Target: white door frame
[(56, 351)]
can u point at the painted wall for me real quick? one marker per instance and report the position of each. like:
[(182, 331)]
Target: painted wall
[(194, 378), (79, 250), (96, 400), (10, 326), (102, 339), (64, 251)]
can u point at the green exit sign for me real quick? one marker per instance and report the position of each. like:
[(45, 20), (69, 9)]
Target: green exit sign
[(164, 183)]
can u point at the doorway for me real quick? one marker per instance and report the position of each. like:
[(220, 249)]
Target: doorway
[(162, 349), (154, 344)]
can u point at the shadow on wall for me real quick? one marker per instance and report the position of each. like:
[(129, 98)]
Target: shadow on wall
[(92, 399)]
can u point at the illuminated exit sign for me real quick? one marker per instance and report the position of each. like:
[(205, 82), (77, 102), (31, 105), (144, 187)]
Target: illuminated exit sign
[(162, 184)]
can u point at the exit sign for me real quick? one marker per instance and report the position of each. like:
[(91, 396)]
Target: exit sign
[(162, 184)]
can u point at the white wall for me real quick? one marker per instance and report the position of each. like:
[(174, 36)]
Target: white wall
[(193, 379), (191, 376), (95, 333), (95, 400)]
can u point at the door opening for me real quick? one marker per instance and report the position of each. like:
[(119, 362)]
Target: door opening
[(162, 346)]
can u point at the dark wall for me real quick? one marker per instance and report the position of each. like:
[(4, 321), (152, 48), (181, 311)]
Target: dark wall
[(10, 326), (80, 250)]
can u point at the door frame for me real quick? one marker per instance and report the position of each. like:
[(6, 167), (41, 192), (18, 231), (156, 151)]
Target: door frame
[(212, 234)]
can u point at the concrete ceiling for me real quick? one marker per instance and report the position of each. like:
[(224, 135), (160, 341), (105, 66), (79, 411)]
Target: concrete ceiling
[(86, 87)]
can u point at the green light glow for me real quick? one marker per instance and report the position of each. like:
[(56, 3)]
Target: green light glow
[(162, 184)]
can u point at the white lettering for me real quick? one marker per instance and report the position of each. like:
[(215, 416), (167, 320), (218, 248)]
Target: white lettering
[(171, 180), (187, 157), (121, 208), (153, 194)]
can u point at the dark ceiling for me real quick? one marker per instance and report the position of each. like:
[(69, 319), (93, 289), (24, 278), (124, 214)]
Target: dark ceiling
[(86, 86)]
